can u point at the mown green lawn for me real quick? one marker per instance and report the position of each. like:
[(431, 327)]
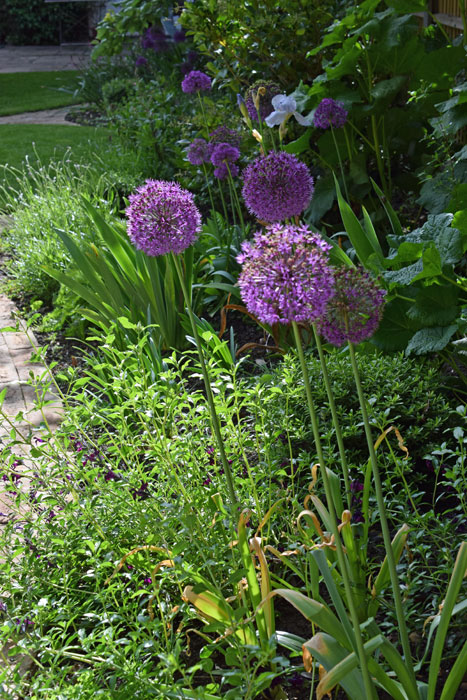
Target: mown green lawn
[(28, 92), (43, 143)]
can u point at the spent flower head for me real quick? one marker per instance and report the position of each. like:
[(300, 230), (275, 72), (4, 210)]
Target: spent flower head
[(285, 275), (199, 151), (258, 98), (277, 186), (196, 81), (329, 113), (162, 218), (355, 311), (225, 135)]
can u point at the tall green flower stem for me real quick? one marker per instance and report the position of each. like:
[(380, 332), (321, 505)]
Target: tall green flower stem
[(335, 419), (370, 692), (212, 409), (404, 637), (340, 163), (211, 199)]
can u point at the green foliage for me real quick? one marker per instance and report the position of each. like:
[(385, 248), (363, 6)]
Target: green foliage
[(47, 198), (258, 38), (380, 66), (27, 22)]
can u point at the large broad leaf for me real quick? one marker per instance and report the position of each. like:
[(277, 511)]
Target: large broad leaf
[(322, 200), (300, 144), (396, 329), (430, 339), (435, 305), (384, 91), (313, 611), (407, 6), (364, 241)]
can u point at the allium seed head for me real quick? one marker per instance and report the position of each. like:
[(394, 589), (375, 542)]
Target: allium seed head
[(355, 311), (225, 135), (258, 98), (285, 275), (196, 81), (329, 113), (162, 218), (199, 151), (277, 186)]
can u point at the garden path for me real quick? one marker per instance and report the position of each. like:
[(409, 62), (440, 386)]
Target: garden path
[(44, 116), (24, 59), (16, 348)]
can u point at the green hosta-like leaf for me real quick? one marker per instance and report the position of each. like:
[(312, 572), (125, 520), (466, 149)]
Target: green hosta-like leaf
[(300, 144), (407, 6), (435, 305), (458, 199), (405, 276), (322, 200), (384, 91), (396, 329), (430, 339)]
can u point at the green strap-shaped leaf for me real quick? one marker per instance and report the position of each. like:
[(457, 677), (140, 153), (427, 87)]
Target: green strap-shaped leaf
[(457, 576), (365, 242), (456, 676)]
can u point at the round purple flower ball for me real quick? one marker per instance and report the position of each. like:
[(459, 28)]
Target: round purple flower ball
[(196, 81), (141, 61), (199, 151), (225, 135), (162, 218), (285, 275), (355, 311), (223, 156), (277, 186), (329, 113), (258, 98)]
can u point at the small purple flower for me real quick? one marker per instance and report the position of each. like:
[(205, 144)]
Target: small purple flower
[(357, 517), (179, 36), (162, 218), (223, 157), (141, 61), (258, 98), (356, 486), (154, 39), (196, 81), (285, 275), (199, 151), (147, 581), (354, 312), (329, 113), (225, 135), (277, 186)]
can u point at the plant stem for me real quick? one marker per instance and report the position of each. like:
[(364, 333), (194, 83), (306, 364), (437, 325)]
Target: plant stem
[(370, 691), (335, 419), (404, 637), (207, 384), (340, 163)]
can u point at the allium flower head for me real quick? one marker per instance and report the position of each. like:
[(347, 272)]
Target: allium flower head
[(285, 275), (258, 98), (199, 151), (223, 156), (225, 135), (141, 61), (329, 113), (196, 81), (277, 186), (162, 218), (355, 311)]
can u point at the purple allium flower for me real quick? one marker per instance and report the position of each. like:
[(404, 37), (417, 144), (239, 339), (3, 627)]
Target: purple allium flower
[(225, 135), (162, 218), (285, 275), (179, 36), (196, 81), (223, 157), (154, 39), (328, 113), (277, 186), (199, 151), (355, 310), (258, 98), (141, 61)]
